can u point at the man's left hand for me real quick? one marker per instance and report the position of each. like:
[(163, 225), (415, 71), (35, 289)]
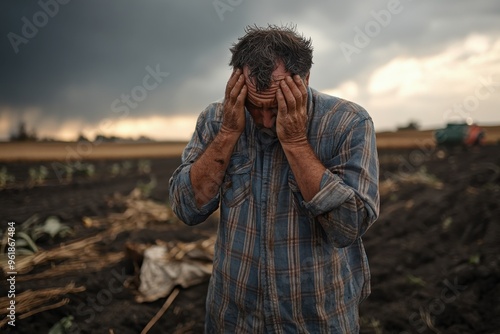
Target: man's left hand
[(292, 111)]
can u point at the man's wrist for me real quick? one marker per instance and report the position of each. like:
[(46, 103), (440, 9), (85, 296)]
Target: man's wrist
[(297, 144), (228, 136)]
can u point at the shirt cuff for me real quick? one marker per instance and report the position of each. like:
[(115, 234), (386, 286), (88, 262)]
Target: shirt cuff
[(190, 198), (332, 194)]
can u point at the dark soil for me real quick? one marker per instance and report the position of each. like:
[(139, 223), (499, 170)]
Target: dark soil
[(433, 252)]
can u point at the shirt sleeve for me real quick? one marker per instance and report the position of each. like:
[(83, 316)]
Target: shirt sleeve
[(348, 201), (181, 196)]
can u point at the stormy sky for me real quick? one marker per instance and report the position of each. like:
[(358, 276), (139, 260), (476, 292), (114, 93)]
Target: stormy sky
[(133, 68)]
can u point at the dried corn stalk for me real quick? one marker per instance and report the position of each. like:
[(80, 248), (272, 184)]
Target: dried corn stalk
[(31, 302), (83, 253)]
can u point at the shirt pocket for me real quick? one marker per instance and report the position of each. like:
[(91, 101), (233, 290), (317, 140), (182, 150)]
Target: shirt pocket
[(236, 185)]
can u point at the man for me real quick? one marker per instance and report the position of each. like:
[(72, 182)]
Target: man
[(295, 173)]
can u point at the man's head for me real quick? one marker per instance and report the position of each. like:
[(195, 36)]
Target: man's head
[(266, 56), (262, 49)]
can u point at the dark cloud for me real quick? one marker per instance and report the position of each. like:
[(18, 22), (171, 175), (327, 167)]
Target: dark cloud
[(96, 51), (91, 52)]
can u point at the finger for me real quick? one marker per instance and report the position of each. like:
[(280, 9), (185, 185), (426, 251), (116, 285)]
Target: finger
[(294, 84), (240, 100), (301, 85), (282, 108), (294, 90), (235, 91), (288, 95), (232, 81)]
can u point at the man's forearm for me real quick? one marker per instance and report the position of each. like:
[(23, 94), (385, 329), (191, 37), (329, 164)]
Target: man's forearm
[(207, 173), (306, 168)]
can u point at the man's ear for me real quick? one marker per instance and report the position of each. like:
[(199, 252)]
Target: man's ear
[(307, 78)]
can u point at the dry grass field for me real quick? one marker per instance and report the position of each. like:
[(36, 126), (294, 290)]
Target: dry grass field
[(70, 152)]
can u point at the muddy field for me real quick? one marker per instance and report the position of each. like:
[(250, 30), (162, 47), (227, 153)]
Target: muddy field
[(433, 252)]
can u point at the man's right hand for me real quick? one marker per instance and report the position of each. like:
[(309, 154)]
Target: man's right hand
[(234, 104), (207, 173)]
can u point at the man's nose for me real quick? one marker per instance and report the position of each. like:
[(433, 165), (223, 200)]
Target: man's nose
[(268, 118)]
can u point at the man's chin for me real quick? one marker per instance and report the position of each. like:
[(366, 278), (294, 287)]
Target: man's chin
[(268, 131)]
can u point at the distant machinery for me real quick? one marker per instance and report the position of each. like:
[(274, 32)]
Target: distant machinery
[(460, 134)]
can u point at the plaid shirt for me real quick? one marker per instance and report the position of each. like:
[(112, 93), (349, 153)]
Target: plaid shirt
[(283, 265)]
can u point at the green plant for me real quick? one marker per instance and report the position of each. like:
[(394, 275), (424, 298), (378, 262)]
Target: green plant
[(115, 169), (52, 227), (447, 223), (144, 167), (372, 323), (37, 176), (32, 229), (415, 280), (68, 170), (475, 259), (89, 169), (147, 188), (79, 167), (62, 326), (5, 177), (126, 167), (25, 244)]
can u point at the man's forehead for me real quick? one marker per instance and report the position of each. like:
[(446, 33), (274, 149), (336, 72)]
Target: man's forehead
[(278, 74), (277, 78)]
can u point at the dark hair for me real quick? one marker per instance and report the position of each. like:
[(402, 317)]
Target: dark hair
[(262, 48)]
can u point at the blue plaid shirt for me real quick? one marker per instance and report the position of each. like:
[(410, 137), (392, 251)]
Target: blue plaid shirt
[(283, 265)]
